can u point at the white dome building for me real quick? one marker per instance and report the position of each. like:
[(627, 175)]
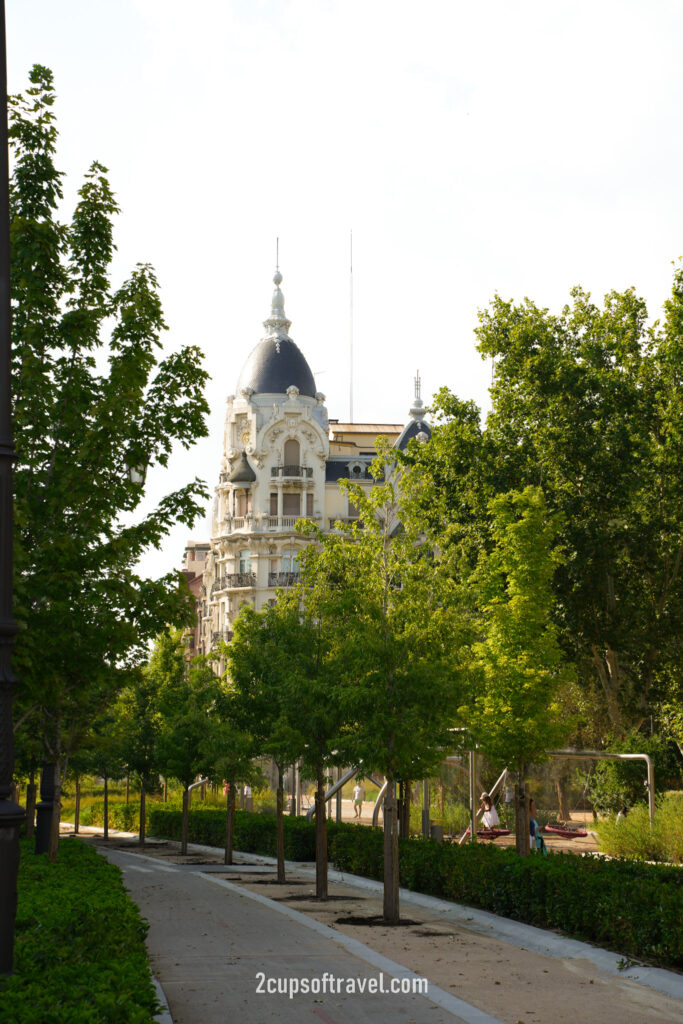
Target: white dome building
[(282, 461)]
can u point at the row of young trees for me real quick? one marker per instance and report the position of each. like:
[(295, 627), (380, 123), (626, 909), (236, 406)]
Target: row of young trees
[(95, 404), (386, 656)]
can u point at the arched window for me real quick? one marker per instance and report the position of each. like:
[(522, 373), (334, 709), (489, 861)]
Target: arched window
[(292, 453)]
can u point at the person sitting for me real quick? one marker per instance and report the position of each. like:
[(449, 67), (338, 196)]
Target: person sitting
[(489, 818)]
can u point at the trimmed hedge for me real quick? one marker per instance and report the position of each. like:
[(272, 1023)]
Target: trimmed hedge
[(80, 954), (633, 908), (254, 833)]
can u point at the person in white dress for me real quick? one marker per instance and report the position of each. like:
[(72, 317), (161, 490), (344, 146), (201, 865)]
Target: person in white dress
[(489, 818)]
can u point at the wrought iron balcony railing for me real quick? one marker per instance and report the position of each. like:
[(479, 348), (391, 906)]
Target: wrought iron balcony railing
[(292, 471), (231, 580), (283, 579)]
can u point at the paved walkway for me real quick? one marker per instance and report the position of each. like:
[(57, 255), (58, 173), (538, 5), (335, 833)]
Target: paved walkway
[(217, 950), (217, 946)]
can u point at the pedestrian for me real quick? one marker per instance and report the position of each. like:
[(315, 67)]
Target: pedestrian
[(533, 824), (358, 798), (489, 818)]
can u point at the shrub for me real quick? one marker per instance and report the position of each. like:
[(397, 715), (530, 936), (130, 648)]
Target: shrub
[(634, 837), (79, 952)]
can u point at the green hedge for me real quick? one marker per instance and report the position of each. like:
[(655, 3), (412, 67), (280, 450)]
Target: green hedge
[(80, 954), (254, 833), (634, 908)]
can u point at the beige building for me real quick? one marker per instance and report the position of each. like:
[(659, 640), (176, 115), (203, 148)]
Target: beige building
[(282, 460)]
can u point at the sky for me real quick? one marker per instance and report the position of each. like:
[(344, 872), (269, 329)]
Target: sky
[(513, 148)]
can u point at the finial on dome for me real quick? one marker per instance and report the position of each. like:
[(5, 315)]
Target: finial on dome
[(277, 324)]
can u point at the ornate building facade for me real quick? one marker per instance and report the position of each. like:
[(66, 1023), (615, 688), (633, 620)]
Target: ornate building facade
[(282, 460)]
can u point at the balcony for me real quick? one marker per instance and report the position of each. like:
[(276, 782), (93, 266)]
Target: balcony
[(221, 634), (283, 522), (232, 580), (283, 579), (292, 472)]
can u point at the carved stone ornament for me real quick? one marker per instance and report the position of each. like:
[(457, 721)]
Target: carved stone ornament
[(246, 392), (292, 391), (320, 397), (230, 399)]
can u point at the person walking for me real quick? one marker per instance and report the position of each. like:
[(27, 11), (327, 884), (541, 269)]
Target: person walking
[(358, 798)]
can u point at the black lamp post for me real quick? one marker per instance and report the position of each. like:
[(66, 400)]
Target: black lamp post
[(11, 815)]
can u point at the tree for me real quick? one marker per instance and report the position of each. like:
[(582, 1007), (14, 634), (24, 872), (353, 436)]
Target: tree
[(189, 740), (260, 674), (397, 623), (518, 666), (586, 405), (90, 415), (138, 722)]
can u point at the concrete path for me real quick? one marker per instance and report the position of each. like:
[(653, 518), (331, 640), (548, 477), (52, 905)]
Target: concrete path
[(223, 954)]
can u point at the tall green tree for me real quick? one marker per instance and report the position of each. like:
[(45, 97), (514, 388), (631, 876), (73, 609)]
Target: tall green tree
[(586, 404), (138, 724), (398, 630), (95, 403), (261, 674), (189, 740), (518, 668)]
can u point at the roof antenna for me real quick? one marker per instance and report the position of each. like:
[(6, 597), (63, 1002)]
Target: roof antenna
[(277, 253), (351, 329)]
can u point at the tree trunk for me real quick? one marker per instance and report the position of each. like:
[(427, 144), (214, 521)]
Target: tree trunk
[(186, 813), (165, 790), (391, 903), (141, 837), (320, 836), (77, 805), (230, 822), (562, 801), (106, 806), (280, 828), (30, 804), (56, 814)]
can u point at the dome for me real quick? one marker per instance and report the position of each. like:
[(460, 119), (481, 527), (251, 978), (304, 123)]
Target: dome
[(273, 366), (277, 363)]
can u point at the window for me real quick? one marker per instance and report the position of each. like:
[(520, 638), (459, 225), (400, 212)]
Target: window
[(273, 503), (242, 503), (291, 504), (292, 453), (353, 510), (245, 561), (289, 561), (309, 504)]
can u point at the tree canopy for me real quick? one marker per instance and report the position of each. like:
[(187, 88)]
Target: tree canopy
[(587, 405), (96, 402)]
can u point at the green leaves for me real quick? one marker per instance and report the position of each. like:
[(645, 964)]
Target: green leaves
[(86, 409)]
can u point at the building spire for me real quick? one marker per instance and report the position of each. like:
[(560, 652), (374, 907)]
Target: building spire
[(417, 410), (277, 325)]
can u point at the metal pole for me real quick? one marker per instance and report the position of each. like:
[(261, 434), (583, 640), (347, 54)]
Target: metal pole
[(473, 813), (425, 808), (11, 815)]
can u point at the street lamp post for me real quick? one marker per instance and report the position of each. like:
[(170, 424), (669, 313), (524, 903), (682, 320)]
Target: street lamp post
[(11, 815)]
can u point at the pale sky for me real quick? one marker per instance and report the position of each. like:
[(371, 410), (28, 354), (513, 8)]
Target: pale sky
[(473, 148)]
